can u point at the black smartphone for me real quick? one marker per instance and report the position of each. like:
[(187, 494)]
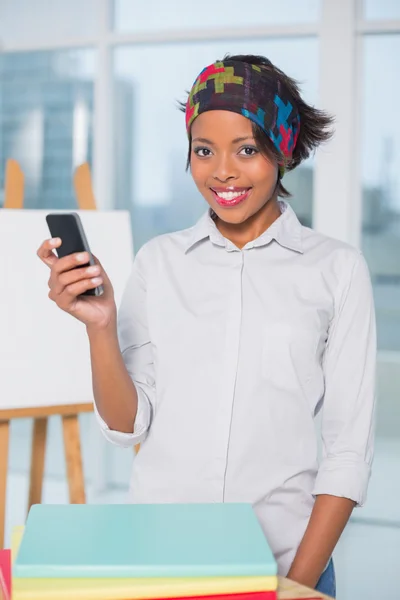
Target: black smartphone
[(68, 227)]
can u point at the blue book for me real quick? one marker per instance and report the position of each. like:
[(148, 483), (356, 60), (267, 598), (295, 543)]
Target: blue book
[(143, 540)]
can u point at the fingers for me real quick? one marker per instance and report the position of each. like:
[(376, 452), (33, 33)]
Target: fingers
[(68, 277), (66, 263), (74, 276), (67, 298), (59, 265), (103, 272), (67, 283), (45, 252)]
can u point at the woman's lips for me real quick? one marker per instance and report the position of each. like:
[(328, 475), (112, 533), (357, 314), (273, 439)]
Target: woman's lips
[(230, 197)]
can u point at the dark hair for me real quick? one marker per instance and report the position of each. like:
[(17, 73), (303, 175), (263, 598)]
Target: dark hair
[(315, 125)]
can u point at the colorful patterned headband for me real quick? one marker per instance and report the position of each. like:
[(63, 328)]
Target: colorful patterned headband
[(250, 91)]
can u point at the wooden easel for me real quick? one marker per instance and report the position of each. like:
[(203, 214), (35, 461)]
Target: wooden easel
[(14, 199)]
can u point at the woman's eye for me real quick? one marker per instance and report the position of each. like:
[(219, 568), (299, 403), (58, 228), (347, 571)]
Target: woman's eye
[(202, 152), (248, 151)]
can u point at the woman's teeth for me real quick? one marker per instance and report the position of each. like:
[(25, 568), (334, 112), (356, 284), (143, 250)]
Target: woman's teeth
[(230, 195)]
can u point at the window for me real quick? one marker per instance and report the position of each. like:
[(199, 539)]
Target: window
[(48, 21), (153, 15), (151, 142), (381, 9), (381, 182)]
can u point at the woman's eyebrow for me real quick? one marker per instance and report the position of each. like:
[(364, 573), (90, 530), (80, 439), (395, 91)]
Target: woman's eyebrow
[(242, 139), (203, 141), (235, 141)]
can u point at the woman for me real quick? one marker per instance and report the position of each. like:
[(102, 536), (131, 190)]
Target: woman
[(234, 333)]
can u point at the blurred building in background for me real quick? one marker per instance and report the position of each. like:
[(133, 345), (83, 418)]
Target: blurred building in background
[(46, 124)]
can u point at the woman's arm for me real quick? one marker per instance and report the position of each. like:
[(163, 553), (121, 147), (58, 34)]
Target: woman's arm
[(347, 428), (114, 392), (122, 365), (349, 366), (328, 519)]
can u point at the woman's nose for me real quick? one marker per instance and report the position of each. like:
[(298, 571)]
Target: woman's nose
[(225, 170)]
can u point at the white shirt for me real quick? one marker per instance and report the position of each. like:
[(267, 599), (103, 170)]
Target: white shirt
[(233, 353)]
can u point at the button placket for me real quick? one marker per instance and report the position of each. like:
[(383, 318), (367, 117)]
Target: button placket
[(230, 365)]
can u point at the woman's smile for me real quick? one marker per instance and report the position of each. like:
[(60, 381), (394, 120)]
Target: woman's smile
[(230, 196)]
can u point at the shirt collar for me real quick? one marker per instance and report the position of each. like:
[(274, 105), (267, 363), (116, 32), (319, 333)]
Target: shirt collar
[(286, 230)]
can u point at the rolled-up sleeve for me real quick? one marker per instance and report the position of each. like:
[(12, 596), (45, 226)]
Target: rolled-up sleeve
[(137, 353), (348, 419)]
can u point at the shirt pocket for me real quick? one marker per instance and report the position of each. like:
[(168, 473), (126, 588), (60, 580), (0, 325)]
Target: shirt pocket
[(289, 358)]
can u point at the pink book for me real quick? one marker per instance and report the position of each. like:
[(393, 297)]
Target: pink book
[(5, 574), (241, 596)]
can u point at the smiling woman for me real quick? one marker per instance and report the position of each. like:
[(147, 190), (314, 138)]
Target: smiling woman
[(247, 124), (239, 328)]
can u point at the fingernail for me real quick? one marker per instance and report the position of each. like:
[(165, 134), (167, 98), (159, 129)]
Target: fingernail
[(97, 280), (93, 270), (81, 257), (55, 241)]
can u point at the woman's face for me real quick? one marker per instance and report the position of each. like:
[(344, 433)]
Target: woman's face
[(229, 171)]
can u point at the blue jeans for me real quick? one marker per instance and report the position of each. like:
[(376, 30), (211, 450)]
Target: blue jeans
[(327, 581)]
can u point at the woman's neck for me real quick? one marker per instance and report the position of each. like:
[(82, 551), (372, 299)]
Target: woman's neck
[(241, 234)]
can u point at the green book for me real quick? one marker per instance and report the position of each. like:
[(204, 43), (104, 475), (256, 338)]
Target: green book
[(143, 540)]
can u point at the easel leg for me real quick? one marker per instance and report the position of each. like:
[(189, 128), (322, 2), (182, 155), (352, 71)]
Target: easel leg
[(37, 460), (74, 459), (4, 442)]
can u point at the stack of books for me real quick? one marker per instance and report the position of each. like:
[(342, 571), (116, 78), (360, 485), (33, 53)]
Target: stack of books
[(143, 551)]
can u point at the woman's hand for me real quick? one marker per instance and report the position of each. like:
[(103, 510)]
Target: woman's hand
[(68, 279)]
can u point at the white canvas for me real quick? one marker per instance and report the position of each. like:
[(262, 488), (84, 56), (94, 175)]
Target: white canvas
[(44, 352)]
